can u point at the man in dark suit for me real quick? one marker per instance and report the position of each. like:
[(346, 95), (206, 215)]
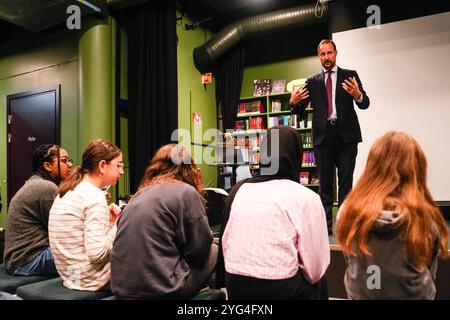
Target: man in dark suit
[(335, 126)]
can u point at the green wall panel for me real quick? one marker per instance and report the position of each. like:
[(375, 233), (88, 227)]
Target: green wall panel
[(97, 85), (289, 70), (193, 96), (26, 65)]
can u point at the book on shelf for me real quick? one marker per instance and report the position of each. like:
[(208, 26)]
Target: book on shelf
[(278, 86), (293, 121), (241, 125), (278, 121), (308, 159), (276, 105), (253, 107), (307, 139), (309, 120), (262, 87), (314, 178), (304, 177)]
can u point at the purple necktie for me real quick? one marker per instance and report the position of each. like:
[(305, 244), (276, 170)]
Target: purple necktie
[(329, 87)]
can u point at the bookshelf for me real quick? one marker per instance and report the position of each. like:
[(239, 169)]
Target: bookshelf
[(257, 113)]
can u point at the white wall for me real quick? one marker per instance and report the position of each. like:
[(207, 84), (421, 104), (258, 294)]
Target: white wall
[(405, 70)]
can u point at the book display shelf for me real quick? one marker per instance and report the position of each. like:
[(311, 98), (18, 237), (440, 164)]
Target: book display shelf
[(256, 114)]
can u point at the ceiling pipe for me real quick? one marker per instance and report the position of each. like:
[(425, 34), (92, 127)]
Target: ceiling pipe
[(207, 55)]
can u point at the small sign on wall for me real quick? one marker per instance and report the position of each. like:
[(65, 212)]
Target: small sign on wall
[(207, 78), (197, 117)]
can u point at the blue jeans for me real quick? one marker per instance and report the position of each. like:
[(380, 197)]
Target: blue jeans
[(42, 265)]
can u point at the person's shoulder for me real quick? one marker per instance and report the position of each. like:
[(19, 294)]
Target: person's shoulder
[(314, 77), (36, 183), (347, 71), (177, 188), (47, 183), (298, 187), (87, 192), (187, 188), (304, 193)]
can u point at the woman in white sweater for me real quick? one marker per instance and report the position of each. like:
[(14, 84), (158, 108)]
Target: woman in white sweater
[(82, 227)]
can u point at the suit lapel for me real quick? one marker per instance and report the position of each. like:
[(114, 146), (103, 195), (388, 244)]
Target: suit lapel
[(339, 81), (322, 89)]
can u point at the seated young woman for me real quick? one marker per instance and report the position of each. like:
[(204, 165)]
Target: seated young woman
[(275, 240), (163, 248), (27, 250), (82, 227)]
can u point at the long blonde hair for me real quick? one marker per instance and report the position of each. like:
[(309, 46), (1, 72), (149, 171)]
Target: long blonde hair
[(394, 179)]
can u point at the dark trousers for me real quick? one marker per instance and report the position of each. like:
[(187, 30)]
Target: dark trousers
[(331, 153), (295, 288)]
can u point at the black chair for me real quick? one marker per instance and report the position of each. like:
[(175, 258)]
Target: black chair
[(215, 208), (54, 289), (9, 283), (2, 244), (210, 294), (215, 205)]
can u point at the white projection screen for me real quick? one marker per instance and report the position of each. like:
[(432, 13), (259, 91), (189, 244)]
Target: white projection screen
[(405, 70)]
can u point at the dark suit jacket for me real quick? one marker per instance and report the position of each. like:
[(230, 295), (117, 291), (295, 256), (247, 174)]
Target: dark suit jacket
[(347, 123)]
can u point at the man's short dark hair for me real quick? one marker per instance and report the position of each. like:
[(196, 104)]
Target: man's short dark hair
[(324, 41)]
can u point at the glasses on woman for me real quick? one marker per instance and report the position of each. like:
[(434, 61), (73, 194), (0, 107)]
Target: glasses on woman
[(67, 161), (119, 165)]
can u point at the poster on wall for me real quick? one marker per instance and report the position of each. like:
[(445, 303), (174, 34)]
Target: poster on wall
[(197, 117), (262, 87)]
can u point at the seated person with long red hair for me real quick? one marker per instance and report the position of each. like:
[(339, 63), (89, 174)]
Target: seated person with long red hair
[(389, 227)]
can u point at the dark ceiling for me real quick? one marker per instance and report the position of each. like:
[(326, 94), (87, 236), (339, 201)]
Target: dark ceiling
[(217, 14), (275, 46), (38, 15), (300, 42), (223, 12)]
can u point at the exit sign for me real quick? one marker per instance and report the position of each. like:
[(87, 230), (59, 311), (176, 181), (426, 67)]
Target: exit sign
[(207, 78)]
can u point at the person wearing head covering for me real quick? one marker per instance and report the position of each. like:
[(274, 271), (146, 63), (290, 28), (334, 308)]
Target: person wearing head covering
[(275, 240), (27, 250)]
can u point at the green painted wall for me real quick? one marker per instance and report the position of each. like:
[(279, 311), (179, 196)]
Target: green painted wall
[(289, 70), (124, 182), (97, 80), (123, 64), (193, 96), (33, 61)]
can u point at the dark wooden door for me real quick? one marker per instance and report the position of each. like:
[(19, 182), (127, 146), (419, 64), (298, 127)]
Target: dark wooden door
[(33, 120)]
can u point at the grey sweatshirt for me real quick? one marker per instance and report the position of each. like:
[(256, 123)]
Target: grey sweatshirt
[(388, 273), (162, 233), (27, 227)]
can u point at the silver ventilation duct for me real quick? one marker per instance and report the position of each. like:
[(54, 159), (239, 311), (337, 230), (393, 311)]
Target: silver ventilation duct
[(206, 56)]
